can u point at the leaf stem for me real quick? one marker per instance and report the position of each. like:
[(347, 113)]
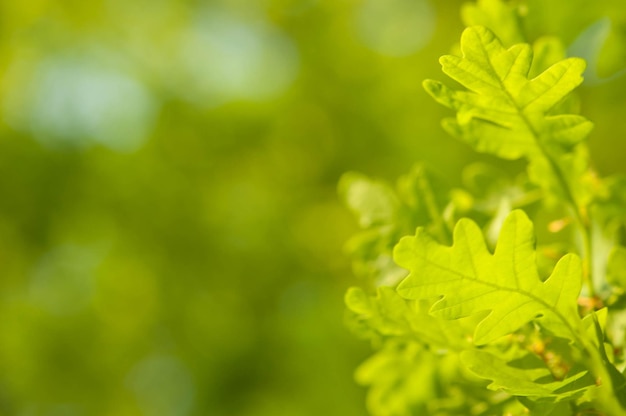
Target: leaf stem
[(579, 212), (597, 363)]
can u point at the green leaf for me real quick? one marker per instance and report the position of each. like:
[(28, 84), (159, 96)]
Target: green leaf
[(387, 313), (501, 93), (617, 379), (470, 279), (386, 214), (526, 376), (402, 379), (406, 379), (426, 197), (562, 408), (381, 214), (507, 114), (390, 315)]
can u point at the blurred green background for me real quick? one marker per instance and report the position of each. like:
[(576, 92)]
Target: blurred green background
[(170, 235)]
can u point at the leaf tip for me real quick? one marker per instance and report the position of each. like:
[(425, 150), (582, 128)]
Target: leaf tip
[(431, 86), (477, 34), (579, 63)]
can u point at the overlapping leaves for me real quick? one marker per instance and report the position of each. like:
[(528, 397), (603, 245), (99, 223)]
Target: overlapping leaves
[(386, 213)]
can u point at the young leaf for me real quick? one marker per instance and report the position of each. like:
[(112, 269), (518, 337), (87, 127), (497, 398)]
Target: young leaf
[(390, 315), (470, 279), (526, 376), (511, 116), (502, 94)]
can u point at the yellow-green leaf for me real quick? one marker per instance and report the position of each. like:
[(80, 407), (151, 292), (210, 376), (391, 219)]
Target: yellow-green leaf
[(469, 279)]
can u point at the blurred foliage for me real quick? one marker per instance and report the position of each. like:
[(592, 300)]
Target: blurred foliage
[(170, 234)]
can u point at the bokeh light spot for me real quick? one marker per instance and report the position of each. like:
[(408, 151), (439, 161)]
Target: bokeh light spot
[(225, 59), (75, 101)]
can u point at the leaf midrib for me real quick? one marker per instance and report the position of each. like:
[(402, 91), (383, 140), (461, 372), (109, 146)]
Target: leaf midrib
[(535, 134), (551, 308)]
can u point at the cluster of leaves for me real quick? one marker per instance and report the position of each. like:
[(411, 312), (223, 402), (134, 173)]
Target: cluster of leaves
[(469, 314)]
